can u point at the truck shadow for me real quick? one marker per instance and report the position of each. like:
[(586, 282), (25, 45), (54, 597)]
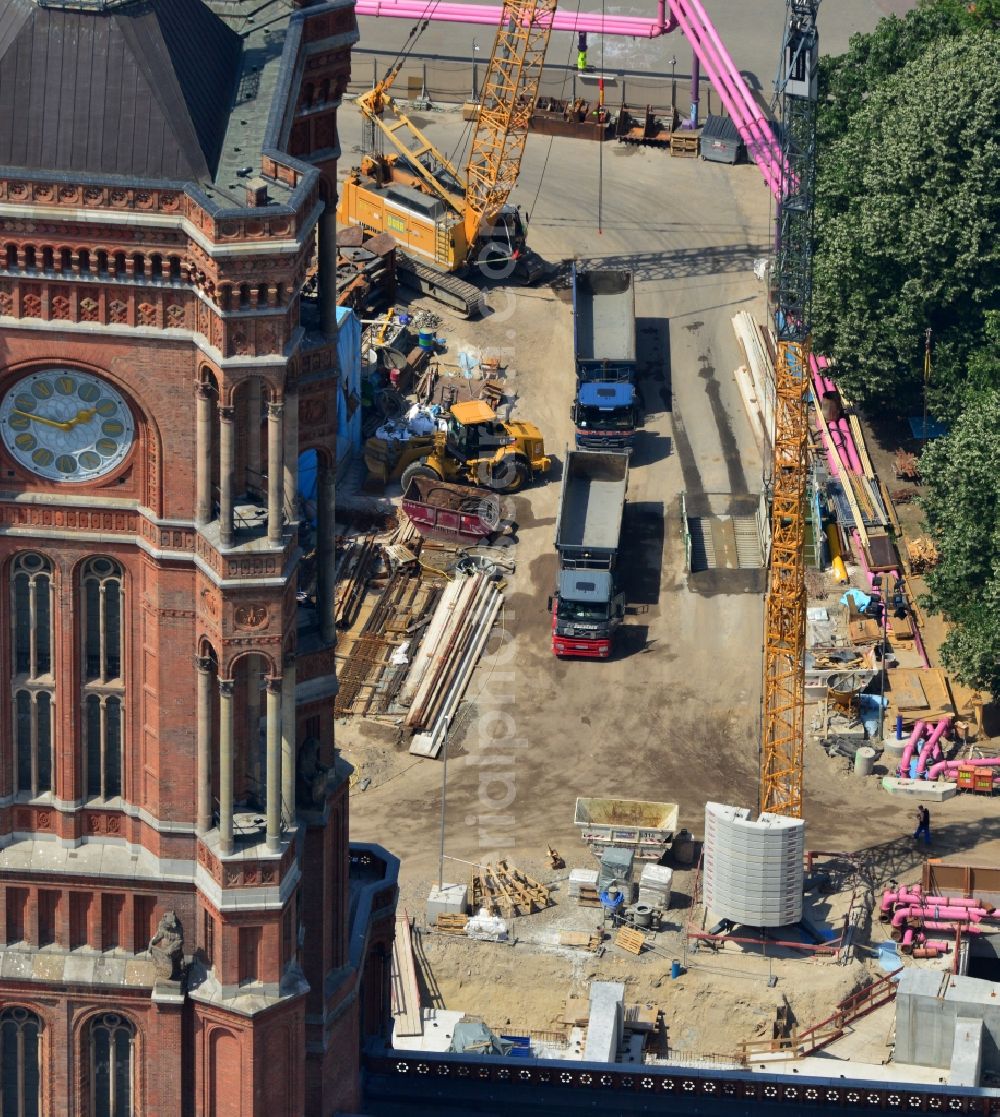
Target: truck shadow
[(640, 564), (653, 356), (649, 447)]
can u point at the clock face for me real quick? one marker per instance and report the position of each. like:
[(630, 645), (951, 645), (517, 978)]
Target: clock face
[(66, 425)]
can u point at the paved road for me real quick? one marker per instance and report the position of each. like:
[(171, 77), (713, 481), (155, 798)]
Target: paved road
[(751, 31)]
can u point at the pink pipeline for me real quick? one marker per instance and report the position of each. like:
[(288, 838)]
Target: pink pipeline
[(911, 744), (973, 915), (932, 745), (489, 15), (914, 897), (948, 766)]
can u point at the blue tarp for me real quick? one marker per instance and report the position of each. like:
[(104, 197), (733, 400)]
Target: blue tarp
[(934, 428), (349, 391), (861, 600)]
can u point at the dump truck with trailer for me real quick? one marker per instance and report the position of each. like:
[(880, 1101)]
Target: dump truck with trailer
[(606, 409), (587, 607)]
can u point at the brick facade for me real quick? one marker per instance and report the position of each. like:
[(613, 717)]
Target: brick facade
[(186, 299)]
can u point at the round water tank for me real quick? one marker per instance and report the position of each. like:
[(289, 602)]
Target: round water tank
[(864, 760)]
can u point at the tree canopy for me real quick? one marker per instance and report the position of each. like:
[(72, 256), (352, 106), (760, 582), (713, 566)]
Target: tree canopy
[(908, 208), (962, 507)]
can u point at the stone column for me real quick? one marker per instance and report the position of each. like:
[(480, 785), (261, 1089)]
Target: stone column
[(275, 471), (274, 687), (204, 776), (203, 455), (292, 453), (255, 464), (328, 268), (227, 464), (288, 741), (226, 766), (326, 546)]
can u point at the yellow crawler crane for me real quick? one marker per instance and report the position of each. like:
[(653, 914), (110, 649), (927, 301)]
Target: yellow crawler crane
[(444, 220)]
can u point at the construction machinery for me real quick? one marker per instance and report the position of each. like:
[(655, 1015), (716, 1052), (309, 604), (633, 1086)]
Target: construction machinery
[(606, 410), (445, 221), (587, 606), (474, 447), (782, 749)]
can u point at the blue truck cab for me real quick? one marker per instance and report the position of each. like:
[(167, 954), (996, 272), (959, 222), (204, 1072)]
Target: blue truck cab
[(606, 409)]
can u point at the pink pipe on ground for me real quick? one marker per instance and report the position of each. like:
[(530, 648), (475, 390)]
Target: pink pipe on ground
[(925, 753), (489, 15), (973, 915), (971, 929), (832, 449), (936, 944), (948, 766), (911, 744)]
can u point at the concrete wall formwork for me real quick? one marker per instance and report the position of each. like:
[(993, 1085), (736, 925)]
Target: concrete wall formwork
[(753, 869)]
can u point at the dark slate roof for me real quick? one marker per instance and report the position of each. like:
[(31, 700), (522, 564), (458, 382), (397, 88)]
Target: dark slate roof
[(143, 89)]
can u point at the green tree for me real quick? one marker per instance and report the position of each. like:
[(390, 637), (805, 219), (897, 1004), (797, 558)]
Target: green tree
[(962, 507), (908, 209)]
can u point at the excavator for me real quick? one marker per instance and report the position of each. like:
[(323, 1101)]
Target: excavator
[(447, 222), (473, 448)]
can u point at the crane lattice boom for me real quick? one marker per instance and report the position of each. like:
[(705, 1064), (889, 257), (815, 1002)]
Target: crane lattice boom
[(510, 88)]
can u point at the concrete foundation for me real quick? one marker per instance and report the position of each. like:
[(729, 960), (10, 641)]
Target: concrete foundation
[(923, 791), (967, 1055), (606, 1025), (929, 1007), (449, 899)]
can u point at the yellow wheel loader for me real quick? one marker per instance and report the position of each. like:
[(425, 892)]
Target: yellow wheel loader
[(475, 448)]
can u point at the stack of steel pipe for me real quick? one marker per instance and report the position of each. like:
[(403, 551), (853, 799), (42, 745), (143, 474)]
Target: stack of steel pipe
[(908, 910), (448, 655)]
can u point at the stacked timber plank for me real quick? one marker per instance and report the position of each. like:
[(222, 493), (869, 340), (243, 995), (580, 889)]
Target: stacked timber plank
[(352, 577), (448, 654), (404, 990), (755, 377)]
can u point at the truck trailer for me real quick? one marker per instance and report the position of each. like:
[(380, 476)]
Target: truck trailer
[(605, 412), (587, 607)]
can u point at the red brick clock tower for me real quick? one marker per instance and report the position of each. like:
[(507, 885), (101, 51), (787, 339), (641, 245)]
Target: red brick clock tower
[(175, 882)]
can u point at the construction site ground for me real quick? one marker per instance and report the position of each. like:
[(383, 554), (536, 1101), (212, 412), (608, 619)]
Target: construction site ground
[(675, 714)]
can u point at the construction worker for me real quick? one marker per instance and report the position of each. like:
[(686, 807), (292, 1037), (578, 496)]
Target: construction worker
[(581, 51), (923, 825)]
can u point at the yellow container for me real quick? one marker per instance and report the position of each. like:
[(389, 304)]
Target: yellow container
[(840, 570)]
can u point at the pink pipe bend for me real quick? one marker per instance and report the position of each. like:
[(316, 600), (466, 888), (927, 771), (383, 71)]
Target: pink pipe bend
[(932, 741), (911, 744), (948, 766)]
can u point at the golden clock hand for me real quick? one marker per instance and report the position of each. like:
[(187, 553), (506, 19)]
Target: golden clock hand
[(81, 417), (42, 419)]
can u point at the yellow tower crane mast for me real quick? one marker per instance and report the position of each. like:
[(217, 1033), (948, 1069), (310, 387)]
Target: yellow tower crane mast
[(782, 746)]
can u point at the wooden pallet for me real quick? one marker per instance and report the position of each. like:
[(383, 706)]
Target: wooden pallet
[(504, 888), (632, 941), (584, 939), (589, 898), (451, 924)]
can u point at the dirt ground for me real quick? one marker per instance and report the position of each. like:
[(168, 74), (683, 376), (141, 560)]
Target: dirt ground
[(675, 714)]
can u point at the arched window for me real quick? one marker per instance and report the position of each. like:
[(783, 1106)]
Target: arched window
[(20, 1077), (33, 683), (112, 1044), (103, 682)]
